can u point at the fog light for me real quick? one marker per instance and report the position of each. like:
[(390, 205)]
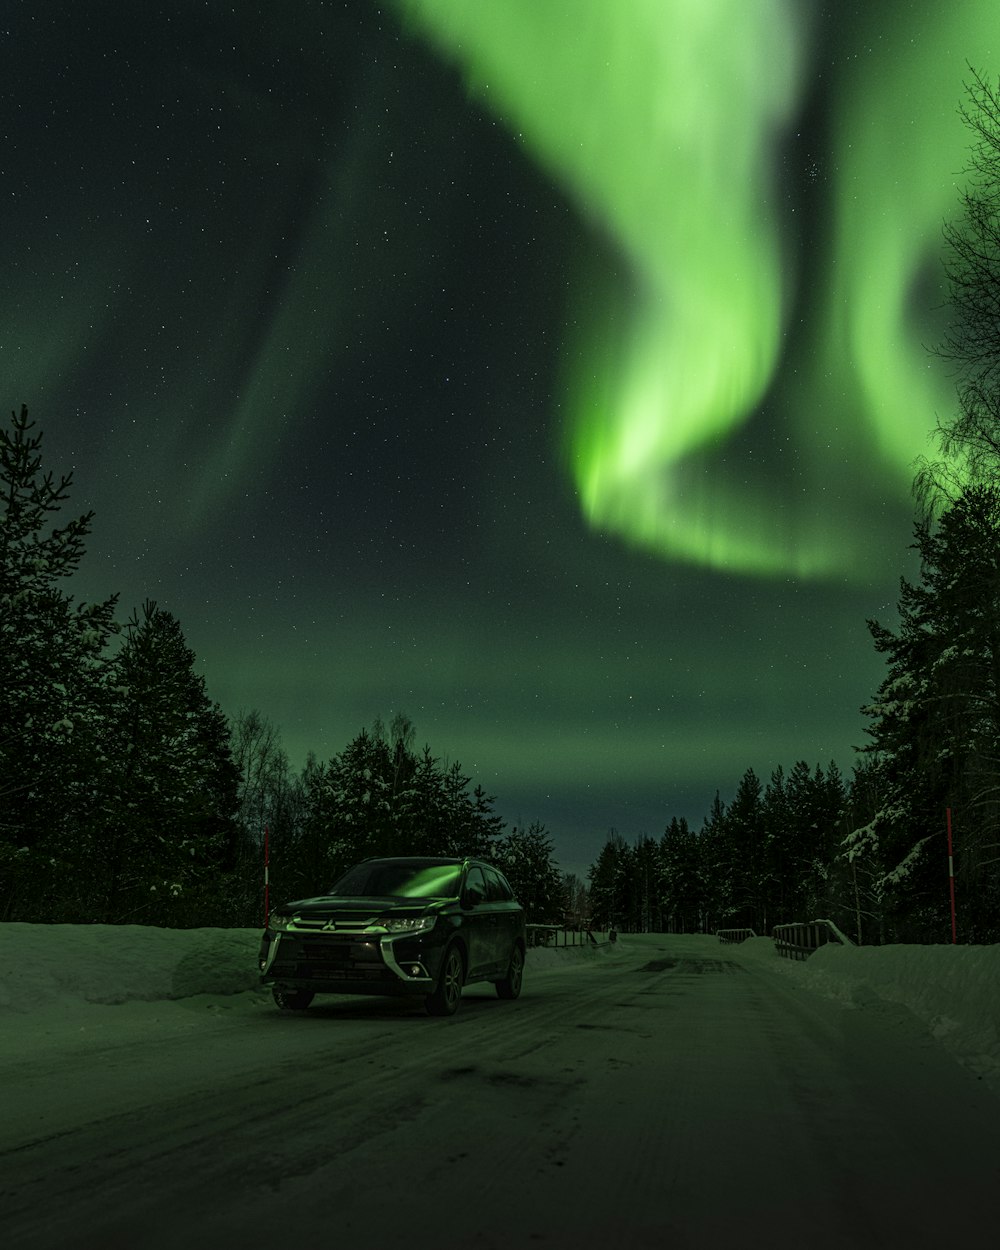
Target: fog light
[(416, 970)]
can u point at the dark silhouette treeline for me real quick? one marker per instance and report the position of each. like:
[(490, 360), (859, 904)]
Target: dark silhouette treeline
[(377, 797), (804, 846), (870, 854), (126, 795), (761, 860)]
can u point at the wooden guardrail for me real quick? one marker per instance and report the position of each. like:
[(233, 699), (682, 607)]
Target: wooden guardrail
[(799, 940), (734, 935), (559, 935)]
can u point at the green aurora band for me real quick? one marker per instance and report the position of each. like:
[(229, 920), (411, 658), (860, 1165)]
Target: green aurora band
[(664, 120)]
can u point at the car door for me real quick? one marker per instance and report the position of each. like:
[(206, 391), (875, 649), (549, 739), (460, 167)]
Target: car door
[(480, 925), (508, 917)]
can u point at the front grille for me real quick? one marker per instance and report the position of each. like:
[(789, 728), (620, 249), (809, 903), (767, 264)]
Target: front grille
[(321, 972), (330, 958), (318, 923), (327, 949)]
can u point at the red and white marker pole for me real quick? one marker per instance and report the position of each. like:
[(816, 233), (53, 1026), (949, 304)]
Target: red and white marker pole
[(951, 876), (267, 864)]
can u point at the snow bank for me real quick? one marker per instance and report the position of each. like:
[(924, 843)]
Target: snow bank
[(953, 990), (43, 964), (46, 963)]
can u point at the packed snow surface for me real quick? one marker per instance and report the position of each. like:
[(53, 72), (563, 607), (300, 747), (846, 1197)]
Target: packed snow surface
[(68, 969)]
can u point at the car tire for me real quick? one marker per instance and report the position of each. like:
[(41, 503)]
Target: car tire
[(292, 1000), (448, 992), (510, 986)]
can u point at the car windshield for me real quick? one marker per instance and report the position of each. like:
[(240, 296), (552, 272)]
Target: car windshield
[(400, 880)]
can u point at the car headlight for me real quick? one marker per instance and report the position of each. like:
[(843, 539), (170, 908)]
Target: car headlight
[(408, 924), (278, 921)]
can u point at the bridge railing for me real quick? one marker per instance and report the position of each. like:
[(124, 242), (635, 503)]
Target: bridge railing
[(559, 935), (734, 935), (799, 940)]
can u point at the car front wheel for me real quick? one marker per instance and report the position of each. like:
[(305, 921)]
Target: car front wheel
[(510, 986), (444, 1001), (292, 1000)]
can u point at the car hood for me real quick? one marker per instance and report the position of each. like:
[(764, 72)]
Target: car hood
[(331, 906)]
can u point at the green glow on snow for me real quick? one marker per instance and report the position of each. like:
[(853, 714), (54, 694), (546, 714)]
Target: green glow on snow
[(664, 119)]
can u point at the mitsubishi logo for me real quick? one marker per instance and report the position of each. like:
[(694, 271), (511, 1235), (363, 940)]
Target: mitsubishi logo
[(330, 924)]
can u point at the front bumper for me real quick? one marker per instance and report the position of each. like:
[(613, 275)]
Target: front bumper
[(350, 962)]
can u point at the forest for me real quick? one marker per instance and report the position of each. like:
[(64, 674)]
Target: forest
[(128, 796)]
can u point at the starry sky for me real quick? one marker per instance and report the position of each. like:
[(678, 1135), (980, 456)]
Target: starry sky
[(551, 371)]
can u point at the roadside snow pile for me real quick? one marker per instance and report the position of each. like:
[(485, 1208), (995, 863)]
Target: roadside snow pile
[(45, 963), (953, 990)]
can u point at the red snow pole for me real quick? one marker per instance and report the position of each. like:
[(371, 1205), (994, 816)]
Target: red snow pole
[(951, 876), (267, 884)]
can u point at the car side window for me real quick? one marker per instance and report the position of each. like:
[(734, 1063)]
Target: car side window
[(494, 893), (475, 885), (506, 893)]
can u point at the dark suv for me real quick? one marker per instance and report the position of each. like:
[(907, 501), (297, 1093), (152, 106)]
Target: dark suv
[(398, 926)]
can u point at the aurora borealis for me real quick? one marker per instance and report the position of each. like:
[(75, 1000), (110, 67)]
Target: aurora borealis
[(670, 121), (550, 370)]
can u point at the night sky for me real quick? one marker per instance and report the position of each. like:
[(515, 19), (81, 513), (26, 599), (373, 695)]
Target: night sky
[(549, 370)]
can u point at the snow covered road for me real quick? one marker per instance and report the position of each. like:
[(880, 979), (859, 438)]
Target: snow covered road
[(671, 1092)]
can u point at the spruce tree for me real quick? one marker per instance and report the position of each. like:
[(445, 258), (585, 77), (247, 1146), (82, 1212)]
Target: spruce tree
[(52, 701), (608, 883), (781, 899), (525, 857), (680, 896), (171, 828), (744, 838), (716, 866), (859, 859), (647, 878), (269, 798), (935, 726)]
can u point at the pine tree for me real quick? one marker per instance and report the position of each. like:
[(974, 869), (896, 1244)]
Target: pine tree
[(859, 861), (744, 837), (815, 803), (378, 798), (575, 900), (526, 859), (681, 887), (357, 798), (51, 674), (935, 727), (716, 867), (781, 899), (647, 915), (469, 825), (424, 812), (269, 798), (326, 848), (171, 823), (608, 877)]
